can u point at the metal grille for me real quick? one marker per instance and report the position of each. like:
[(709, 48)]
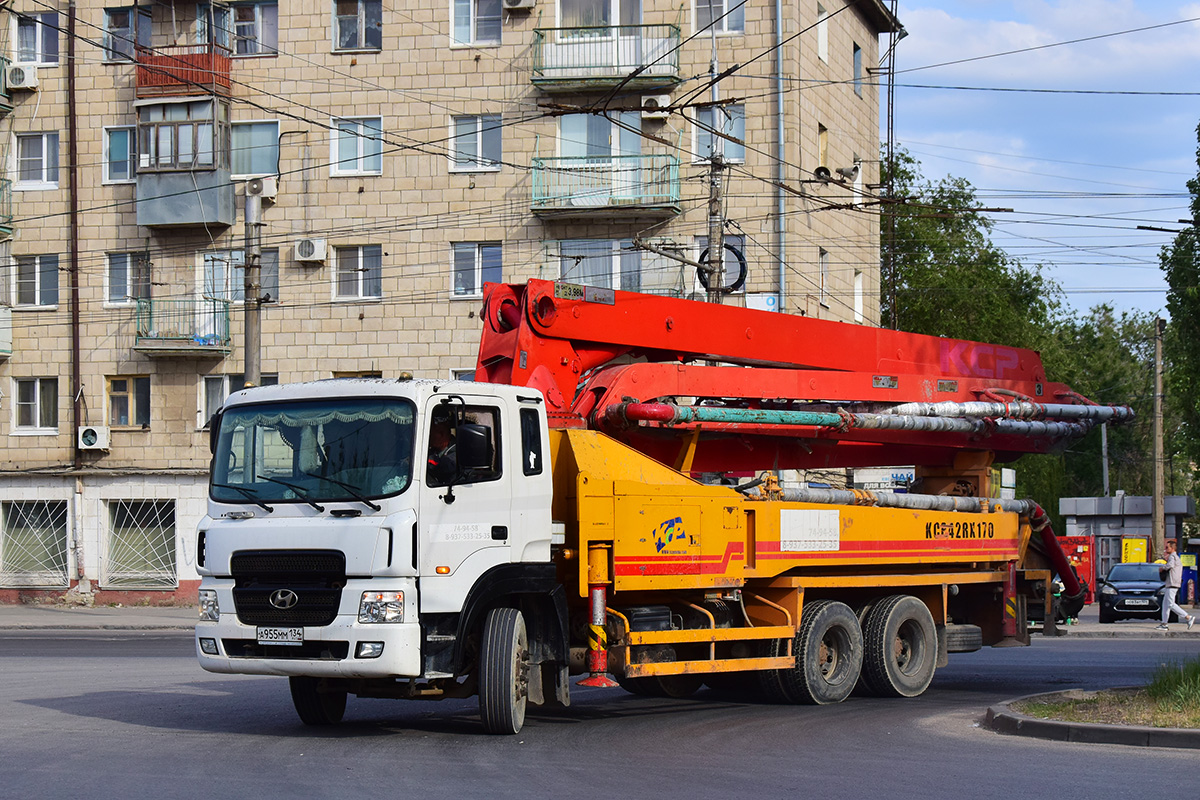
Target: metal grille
[(315, 607), (141, 545), (289, 562), (316, 576), (33, 546), (321, 651)]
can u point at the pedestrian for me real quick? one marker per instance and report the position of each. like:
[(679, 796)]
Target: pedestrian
[(1172, 572)]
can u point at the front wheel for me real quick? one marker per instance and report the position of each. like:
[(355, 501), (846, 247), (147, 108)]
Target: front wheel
[(318, 701), (503, 671)]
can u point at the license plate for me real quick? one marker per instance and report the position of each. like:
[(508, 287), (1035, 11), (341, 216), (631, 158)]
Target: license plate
[(1137, 602), (281, 635)]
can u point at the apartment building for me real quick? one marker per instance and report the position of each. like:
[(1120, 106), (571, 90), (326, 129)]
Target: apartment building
[(402, 157)]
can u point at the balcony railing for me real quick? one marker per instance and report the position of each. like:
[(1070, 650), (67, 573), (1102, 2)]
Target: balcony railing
[(611, 186), (568, 59), (182, 70), (181, 327)]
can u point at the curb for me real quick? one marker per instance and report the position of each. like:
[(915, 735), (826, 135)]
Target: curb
[(141, 627), (1002, 719)]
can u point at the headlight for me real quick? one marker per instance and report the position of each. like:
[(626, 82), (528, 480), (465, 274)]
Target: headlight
[(1106, 589), (209, 610), (381, 607)]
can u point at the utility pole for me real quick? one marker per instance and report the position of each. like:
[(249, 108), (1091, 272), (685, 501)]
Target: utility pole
[(716, 220), (1104, 455), (1159, 508), (252, 298)]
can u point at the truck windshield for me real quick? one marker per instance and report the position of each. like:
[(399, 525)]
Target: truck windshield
[(317, 450)]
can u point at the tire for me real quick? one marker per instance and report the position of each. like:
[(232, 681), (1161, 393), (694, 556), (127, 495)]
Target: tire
[(829, 651), (1106, 618), (316, 702), (963, 638), (899, 647), (503, 671)]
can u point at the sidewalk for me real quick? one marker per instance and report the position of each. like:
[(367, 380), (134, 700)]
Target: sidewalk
[(1089, 627)]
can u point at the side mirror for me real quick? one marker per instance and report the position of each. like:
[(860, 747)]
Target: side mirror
[(473, 447)]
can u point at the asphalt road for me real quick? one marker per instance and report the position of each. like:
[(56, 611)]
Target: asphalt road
[(129, 715)]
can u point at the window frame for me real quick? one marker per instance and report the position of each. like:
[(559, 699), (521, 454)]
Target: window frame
[(136, 34), (233, 278), (150, 138), (233, 148), (336, 168), (856, 69), (722, 28), (225, 382), (620, 253), (40, 281), (38, 429), (485, 137), (48, 166), (263, 49), (472, 23), (822, 34), (135, 395), (461, 413), (706, 137), (137, 261), (478, 267), (46, 27), (361, 22), (131, 156), (362, 279)]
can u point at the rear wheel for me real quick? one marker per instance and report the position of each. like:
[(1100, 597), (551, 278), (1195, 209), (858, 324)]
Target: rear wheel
[(503, 671), (899, 647), (318, 701)]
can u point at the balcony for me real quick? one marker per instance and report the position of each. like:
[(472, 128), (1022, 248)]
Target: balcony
[(5, 333), (6, 212), (613, 187), (584, 59), (6, 103), (183, 71), (186, 328)]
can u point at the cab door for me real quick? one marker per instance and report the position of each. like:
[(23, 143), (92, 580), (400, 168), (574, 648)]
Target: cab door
[(465, 521)]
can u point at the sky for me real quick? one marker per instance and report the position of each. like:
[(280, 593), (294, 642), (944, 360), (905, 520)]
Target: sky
[(1081, 169)]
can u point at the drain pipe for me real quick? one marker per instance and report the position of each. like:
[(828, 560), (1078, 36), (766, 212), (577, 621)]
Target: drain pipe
[(780, 157), (73, 168)]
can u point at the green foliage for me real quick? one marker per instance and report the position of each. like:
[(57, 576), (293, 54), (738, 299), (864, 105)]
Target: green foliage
[(1176, 686)]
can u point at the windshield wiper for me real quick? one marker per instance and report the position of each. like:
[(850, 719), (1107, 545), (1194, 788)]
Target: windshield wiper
[(353, 492), (249, 495), (300, 491)]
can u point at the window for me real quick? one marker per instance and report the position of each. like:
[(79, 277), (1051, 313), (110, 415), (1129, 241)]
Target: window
[(218, 387), (37, 38), (37, 405), (599, 13), (476, 21), (120, 154), (822, 146), (822, 33), (357, 25), (225, 275), (731, 121), (357, 146), (37, 280), (358, 373), (33, 544), (125, 28), (255, 29), (531, 442), (129, 401), (729, 261), (212, 24), (823, 262), (128, 277), (140, 545), (475, 263), (183, 136), (858, 295), (476, 144), (858, 71), (255, 148), (37, 160), (727, 16), (358, 274), (444, 425), (606, 263)]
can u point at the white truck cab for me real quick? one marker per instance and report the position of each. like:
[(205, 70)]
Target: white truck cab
[(348, 545)]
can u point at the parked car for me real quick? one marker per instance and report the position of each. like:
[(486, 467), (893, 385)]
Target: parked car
[(1132, 591)]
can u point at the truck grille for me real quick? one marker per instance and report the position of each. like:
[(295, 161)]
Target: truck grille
[(316, 577)]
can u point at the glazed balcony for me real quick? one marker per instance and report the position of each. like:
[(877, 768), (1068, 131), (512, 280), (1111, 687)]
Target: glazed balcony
[(182, 328), (6, 210), (183, 70), (612, 187), (595, 58), (6, 103), (5, 333)]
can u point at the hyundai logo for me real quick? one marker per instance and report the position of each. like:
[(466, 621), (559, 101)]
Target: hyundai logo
[(284, 599)]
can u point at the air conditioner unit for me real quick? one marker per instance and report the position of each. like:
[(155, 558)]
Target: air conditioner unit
[(21, 76), (311, 251), (519, 5), (654, 106), (266, 187), (93, 437)]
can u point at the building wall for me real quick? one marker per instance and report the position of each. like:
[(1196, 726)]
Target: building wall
[(414, 210)]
